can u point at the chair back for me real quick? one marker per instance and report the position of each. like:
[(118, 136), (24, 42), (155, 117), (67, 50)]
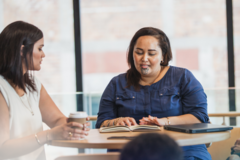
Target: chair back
[(82, 156)]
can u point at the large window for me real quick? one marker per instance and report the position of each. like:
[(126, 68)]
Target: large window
[(196, 29), (199, 41), (236, 35), (55, 19), (107, 27)]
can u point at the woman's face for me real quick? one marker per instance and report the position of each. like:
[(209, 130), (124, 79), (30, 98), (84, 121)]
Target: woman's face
[(147, 56), (38, 54)]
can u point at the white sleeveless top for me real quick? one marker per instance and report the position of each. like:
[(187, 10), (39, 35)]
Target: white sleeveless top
[(22, 122)]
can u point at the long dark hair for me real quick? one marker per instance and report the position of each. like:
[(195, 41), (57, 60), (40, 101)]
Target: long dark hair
[(133, 76), (12, 38)]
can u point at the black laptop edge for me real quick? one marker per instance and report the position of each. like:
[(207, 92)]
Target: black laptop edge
[(178, 128)]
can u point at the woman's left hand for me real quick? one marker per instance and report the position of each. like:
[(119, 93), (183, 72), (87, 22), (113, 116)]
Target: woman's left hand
[(152, 121)]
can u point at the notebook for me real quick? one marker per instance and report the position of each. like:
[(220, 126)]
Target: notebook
[(198, 128)]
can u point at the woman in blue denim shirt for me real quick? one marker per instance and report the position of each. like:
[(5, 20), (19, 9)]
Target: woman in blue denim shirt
[(152, 92)]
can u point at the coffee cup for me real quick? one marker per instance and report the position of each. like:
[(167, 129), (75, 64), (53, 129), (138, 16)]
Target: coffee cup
[(79, 117)]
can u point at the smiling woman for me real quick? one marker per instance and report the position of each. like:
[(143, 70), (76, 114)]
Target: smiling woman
[(154, 93)]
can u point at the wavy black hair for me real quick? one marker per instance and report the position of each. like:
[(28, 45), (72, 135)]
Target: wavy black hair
[(12, 38), (133, 76)]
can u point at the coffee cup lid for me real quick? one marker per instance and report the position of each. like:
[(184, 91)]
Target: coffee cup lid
[(78, 115)]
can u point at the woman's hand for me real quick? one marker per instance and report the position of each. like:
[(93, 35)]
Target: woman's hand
[(69, 131), (125, 121), (152, 121)]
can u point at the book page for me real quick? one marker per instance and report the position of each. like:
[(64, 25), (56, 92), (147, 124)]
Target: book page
[(115, 129), (145, 127), (137, 128)]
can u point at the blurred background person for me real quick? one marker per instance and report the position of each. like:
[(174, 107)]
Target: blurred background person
[(152, 146)]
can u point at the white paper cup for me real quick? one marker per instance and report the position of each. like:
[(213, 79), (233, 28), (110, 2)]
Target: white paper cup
[(79, 117)]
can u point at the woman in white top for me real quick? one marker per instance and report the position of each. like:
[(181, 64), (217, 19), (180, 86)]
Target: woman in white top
[(24, 102)]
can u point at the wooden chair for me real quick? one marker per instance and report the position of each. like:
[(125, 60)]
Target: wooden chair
[(222, 150), (100, 156)]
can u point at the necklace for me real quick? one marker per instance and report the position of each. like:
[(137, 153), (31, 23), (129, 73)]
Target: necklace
[(29, 108), (25, 94), (157, 76)]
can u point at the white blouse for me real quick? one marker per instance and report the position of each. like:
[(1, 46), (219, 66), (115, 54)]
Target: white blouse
[(25, 116)]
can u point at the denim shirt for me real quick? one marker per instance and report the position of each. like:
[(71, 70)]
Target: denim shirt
[(177, 93)]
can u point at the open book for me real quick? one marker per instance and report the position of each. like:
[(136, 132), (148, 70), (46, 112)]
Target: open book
[(138, 128)]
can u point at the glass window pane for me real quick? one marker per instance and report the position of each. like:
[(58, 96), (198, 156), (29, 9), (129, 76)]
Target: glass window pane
[(107, 27), (55, 19), (236, 36), (199, 42), (196, 29)]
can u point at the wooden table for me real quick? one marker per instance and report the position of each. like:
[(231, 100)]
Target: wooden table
[(99, 140)]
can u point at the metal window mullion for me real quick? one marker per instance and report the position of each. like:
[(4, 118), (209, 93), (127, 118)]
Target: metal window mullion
[(230, 49)]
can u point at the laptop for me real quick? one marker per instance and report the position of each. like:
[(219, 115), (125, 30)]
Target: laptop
[(197, 128)]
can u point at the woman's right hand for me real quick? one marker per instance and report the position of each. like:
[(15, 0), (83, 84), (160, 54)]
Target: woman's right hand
[(66, 131), (126, 121)]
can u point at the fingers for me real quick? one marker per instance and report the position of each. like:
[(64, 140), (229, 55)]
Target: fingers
[(146, 123), (156, 121), (86, 129), (72, 130), (79, 125), (122, 123), (132, 121), (127, 122), (149, 121), (77, 130), (75, 134), (75, 124), (142, 122), (150, 118)]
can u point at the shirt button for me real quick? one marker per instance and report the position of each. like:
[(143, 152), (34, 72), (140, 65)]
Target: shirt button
[(178, 93), (133, 97), (161, 94), (117, 98)]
